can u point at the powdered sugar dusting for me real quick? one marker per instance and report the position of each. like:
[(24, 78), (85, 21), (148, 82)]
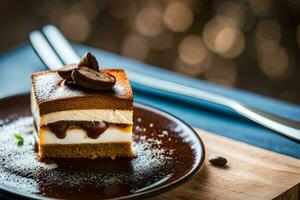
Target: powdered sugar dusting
[(164, 133), (19, 165)]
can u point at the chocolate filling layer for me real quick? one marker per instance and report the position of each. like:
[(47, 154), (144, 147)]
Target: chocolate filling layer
[(93, 128)]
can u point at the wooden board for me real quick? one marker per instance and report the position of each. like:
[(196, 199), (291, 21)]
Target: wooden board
[(252, 173)]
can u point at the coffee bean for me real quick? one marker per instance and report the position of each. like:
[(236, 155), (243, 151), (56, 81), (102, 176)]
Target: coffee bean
[(217, 160), (89, 60), (66, 71), (93, 79)]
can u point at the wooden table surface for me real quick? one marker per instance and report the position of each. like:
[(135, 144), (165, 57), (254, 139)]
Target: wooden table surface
[(251, 173)]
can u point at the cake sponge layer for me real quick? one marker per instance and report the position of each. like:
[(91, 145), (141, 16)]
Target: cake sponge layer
[(92, 151)]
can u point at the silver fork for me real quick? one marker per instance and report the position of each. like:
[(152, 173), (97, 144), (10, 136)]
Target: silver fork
[(55, 51)]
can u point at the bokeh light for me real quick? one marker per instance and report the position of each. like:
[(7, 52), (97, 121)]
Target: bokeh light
[(75, 26), (229, 43), (135, 46), (273, 60), (178, 16), (223, 37), (192, 50), (193, 69), (212, 28), (148, 21)]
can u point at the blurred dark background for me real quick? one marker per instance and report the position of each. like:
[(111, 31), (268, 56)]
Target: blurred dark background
[(247, 44)]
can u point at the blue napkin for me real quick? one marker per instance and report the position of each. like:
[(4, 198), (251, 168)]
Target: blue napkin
[(17, 65)]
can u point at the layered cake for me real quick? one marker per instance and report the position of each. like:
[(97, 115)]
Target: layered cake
[(81, 111)]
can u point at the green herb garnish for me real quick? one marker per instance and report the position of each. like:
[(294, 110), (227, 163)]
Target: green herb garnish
[(20, 140), (85, 137)]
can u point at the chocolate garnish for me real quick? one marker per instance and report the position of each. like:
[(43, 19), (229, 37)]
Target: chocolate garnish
[(87, 74), (59, 128), (89, 60), (66, 71), (92, 79), (94, 129)]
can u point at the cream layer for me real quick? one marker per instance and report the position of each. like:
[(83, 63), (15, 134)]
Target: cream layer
[(78, 136), (107, 115)]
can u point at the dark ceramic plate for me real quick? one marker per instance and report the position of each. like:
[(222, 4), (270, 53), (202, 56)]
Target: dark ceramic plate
[(169, 152)]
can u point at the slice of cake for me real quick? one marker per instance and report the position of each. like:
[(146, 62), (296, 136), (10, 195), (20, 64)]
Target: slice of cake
[(74, 120)]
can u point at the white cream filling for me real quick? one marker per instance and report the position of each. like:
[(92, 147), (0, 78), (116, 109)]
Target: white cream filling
[(107, 115), (78, 136)]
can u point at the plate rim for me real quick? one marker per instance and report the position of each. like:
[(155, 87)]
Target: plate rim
[(143, 194)]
